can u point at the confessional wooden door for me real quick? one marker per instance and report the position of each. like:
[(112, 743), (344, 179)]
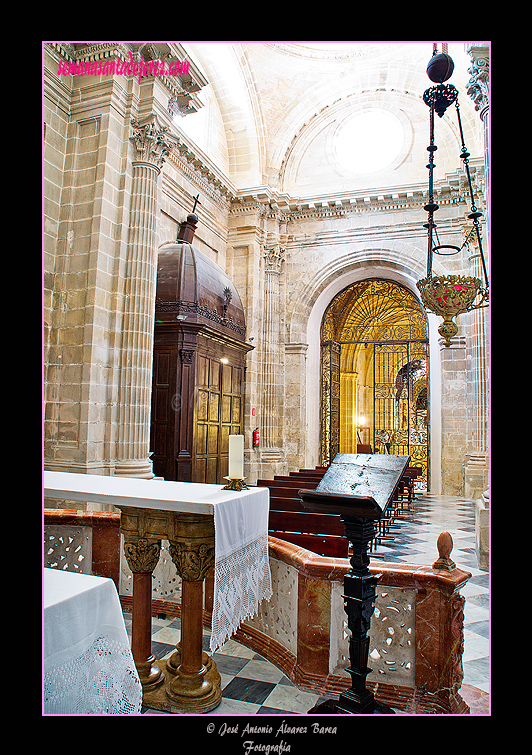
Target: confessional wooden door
[(197, 402), (218, 414)]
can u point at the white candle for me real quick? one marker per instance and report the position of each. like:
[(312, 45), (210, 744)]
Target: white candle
[(236, 457)]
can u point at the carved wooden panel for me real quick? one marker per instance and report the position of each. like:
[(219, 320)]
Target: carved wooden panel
[(197, 403), (218, 415), (165, 404)]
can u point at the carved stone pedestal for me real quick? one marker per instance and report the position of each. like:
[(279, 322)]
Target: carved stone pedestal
[(188, 682)]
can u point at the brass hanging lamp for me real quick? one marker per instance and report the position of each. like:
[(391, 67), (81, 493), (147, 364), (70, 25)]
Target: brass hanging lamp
[(448, 295)]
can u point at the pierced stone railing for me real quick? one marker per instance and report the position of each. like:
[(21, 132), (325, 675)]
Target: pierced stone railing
[(87, 542), (416, 631)]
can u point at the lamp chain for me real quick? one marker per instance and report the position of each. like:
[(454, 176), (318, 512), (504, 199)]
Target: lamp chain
[(475, 214)]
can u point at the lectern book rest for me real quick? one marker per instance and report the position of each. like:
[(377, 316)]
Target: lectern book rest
[(359, 487)]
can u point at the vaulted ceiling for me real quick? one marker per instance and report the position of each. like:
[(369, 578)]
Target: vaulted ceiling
[(307, 118)]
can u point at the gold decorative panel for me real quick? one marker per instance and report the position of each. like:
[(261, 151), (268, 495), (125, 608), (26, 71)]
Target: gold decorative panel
[(374, 373)]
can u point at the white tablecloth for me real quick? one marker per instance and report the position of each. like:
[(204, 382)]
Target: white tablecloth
[(88, 665), (242, 570), (242, 576)]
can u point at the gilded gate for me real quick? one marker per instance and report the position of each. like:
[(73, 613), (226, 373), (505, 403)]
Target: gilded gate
[(374, 373)]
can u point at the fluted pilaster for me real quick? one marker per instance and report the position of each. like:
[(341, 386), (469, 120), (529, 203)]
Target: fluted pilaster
[(152, 145), (273, 258), (476, 466)]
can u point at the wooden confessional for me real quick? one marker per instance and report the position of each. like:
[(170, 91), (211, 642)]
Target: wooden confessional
[(198, 364)]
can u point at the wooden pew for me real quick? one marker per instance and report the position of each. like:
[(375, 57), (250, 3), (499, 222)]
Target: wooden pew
[(320, 533), (324, 533), (407, 480)]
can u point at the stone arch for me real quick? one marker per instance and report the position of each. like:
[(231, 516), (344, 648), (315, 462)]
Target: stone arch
[(374, 352), (404, 265), (228, 72)]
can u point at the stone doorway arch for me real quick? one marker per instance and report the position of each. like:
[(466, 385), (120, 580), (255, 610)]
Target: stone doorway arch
[(374, 386)]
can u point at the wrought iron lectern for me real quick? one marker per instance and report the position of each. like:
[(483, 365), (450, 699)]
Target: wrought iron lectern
[(359, 487)]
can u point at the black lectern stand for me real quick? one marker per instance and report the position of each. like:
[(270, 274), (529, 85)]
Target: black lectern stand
[(359, 487)]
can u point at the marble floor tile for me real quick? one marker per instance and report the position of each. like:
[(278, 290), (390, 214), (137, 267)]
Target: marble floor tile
[(248, 690), (229, 665), (168, 635), (230, 707), (262, 671), (291, 699)]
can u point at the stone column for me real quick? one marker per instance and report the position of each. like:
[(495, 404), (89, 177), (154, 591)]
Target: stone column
[(152, 143), (271, 358), (454, 400), (478, 90), (476, 463), (294, 435)]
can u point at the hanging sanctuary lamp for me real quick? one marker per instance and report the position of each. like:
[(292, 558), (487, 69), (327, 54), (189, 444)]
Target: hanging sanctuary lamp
[(448, 295)]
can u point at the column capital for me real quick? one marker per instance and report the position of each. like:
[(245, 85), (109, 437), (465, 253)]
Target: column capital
[(192, 560), (192, 546), (478, 84), (153, 142), (274, 258), (142, 555)]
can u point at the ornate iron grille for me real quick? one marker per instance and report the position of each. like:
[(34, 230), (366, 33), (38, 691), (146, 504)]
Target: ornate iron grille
[(388, 322), (330, 400), (374, 311)]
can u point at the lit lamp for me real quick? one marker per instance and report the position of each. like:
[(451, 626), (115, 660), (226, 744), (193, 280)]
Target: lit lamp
[(236, 464), (448, 295), (361, 425)]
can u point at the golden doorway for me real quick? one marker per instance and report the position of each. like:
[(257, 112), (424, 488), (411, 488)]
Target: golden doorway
[(374, 374)]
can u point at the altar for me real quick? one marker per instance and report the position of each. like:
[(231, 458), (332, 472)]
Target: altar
[(206, 526)]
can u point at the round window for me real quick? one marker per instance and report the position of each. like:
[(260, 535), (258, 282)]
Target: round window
[(369, 141)]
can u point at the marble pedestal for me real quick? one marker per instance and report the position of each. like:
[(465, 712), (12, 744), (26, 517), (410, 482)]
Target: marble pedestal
[(188, 682)]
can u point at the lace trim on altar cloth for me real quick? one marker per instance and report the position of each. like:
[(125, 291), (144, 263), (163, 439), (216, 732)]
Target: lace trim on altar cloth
[(102, 680), (242, 580)]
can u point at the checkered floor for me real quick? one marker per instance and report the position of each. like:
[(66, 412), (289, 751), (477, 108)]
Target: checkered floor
[(415, 543), (251, 685)]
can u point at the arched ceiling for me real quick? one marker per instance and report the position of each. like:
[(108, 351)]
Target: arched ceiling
[(283, 114)]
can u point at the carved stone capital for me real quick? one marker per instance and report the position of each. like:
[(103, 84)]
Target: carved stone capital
[(153, 142), (478, 84), (274, 257), (142, 555), (192, 559)]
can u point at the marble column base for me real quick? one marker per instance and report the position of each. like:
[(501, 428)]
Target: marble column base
[(186, 693)]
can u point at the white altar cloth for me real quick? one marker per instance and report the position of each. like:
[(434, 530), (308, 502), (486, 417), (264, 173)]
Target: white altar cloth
[(242, 569), (88, 665)]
